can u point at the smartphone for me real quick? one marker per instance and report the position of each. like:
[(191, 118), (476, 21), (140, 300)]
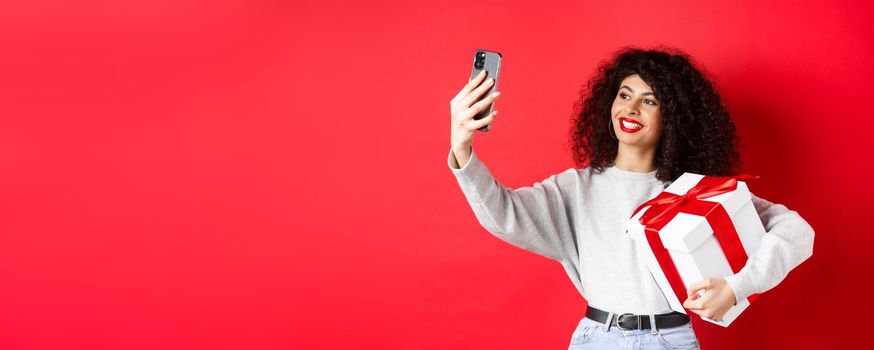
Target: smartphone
[(489, 61)]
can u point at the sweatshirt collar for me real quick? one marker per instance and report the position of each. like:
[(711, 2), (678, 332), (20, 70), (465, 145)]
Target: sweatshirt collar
[(615, 172)]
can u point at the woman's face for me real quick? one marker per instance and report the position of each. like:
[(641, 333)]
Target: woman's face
[(635, 114)]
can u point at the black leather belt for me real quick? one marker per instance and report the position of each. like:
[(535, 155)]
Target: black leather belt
[(629, 322)]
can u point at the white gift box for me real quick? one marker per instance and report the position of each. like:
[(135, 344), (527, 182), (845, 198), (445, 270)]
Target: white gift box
[(692, 246)]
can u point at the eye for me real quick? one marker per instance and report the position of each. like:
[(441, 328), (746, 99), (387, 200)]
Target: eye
[(651, 102)]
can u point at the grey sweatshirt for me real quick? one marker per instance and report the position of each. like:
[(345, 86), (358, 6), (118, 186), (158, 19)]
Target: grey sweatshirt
[(577, 218)]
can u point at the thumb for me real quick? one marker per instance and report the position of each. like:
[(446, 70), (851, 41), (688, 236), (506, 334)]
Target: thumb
[(700, 285)]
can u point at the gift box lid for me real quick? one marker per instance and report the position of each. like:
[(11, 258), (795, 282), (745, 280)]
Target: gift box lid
[(686, 232)]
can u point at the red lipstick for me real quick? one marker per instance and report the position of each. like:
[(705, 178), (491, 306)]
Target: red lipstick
[(632, 130)]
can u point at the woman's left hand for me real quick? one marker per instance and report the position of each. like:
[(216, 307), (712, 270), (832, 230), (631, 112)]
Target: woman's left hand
[(717, 298)]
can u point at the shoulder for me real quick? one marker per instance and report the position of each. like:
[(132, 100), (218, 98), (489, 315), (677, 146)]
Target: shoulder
[(576, 173), (569, 176), (773, 213)]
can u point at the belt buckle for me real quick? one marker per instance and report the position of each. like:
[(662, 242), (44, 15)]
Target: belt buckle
[(619, 322)]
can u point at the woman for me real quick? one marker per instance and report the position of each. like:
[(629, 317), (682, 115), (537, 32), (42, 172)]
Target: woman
[(646, 117)]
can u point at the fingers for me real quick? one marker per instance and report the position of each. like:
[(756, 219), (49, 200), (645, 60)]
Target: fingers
[(709, 299), (709, 313), (471, 83), (472, 124), (699, 304), (465, 106), (469, 113), (466, 113), (695, 287), (696, 300), (694, 304), (477, 107), (474, 95)]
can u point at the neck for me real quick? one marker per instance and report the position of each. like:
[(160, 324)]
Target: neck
[(635, 159)]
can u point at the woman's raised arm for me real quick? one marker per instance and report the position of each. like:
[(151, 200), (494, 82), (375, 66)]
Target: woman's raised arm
[(534, 218)]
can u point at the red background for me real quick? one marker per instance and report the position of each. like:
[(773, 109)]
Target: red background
[(272, 175)]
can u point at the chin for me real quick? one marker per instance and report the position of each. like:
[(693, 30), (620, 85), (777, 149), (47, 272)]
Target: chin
[(635, 140)]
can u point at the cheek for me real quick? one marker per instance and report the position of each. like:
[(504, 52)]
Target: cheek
[(616, 105), (656, 122), (657, 134)]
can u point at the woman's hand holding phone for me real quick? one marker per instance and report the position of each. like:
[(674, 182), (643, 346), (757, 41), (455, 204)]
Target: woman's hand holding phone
[(463, 110)]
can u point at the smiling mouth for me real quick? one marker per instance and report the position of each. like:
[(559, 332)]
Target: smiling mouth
[(628, 125)]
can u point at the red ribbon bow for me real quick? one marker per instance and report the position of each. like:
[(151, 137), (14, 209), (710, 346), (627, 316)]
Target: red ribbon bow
[(665, 206)]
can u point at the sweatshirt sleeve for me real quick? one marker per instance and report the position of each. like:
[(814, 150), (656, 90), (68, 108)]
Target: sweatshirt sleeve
[(788, 241), (533, 218)]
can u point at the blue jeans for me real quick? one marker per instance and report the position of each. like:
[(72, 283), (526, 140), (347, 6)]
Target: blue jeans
[(593, 335)]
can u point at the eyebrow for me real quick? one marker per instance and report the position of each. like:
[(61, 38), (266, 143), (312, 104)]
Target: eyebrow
[(643, 94)]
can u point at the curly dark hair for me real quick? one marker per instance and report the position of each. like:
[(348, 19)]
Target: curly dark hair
[(698, 135)]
